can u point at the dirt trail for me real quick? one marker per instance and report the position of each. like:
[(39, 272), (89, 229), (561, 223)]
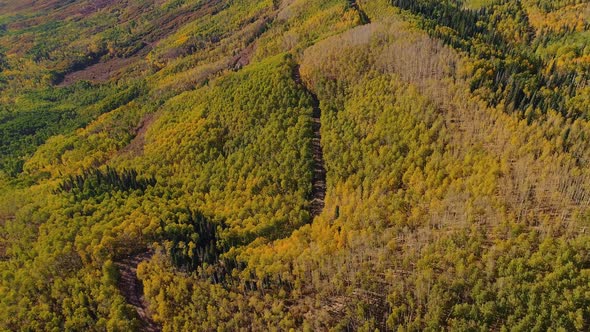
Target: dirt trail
[(318, 192), (132, 289)]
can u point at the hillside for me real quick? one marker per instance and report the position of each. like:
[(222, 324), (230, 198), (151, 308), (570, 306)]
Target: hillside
[(314, 165)]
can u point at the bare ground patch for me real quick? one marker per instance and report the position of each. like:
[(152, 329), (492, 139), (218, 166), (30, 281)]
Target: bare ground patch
[(100, 72), (163, 27), (132, 289), (135, 147)]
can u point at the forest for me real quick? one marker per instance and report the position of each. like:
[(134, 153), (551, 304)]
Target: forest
[(295, 165)]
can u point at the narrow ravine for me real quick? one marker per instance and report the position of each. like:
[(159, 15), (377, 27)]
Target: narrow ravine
[(132, 289), (318, 191)]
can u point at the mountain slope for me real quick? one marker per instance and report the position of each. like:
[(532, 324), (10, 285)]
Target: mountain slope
[(295, 164)]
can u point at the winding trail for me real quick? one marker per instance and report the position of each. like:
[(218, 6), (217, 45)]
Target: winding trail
[(318, 191), (132, 289)]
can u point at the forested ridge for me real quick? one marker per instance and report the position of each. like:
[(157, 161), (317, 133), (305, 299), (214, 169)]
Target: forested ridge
[(313, 165)]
